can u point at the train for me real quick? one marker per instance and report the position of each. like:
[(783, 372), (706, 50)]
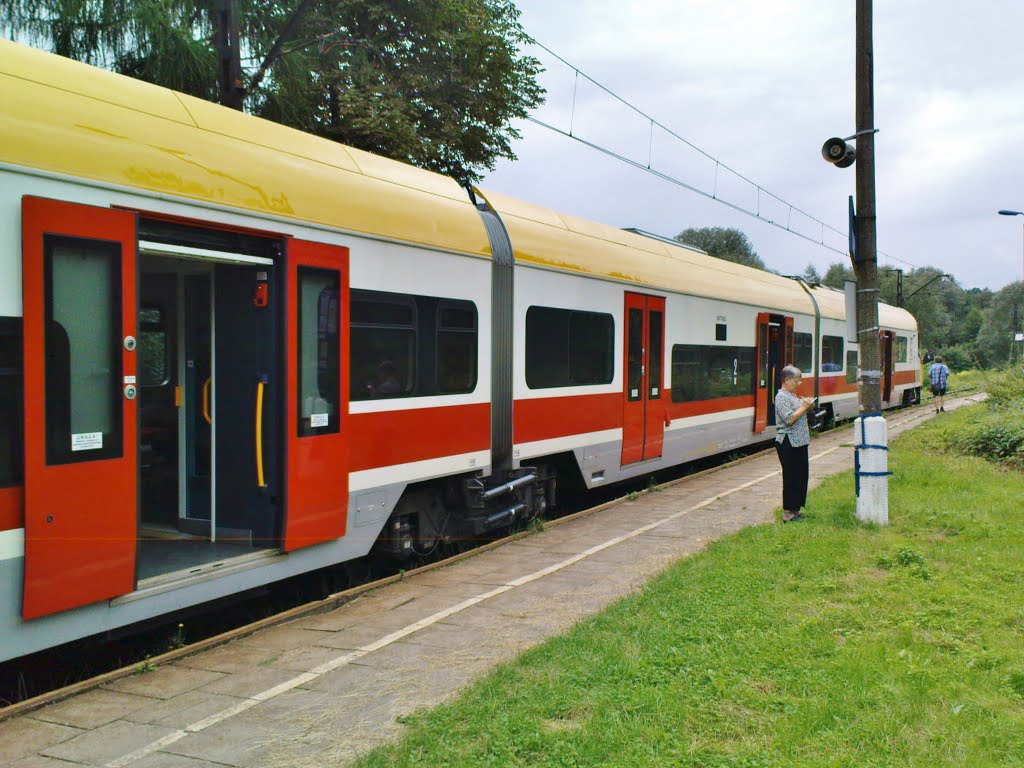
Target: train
[(232, 353)]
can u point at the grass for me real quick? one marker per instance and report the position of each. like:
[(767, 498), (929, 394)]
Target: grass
[(856, 646)]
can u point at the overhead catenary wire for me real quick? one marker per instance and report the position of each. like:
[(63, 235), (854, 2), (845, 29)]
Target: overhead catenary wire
[(713, 194)]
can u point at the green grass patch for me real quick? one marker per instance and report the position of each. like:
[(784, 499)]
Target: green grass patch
[(825, 643)]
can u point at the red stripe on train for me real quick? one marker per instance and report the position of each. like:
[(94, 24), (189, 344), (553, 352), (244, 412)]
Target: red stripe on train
[(547, 417), (702, 407), (12, 508), (386, 438)]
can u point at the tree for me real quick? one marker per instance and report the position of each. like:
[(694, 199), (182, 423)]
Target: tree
[(811, 275), (1003, 318), (723, 243), (836, 275), (432, 82)]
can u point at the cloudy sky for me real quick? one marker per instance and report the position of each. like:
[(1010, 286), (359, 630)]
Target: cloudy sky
[(759, 85)]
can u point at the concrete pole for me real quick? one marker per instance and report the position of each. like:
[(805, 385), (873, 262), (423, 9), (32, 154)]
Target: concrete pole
[(866, 266), (870, 435)]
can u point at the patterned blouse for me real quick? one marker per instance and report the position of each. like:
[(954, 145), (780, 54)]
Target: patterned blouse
[(786, 404)]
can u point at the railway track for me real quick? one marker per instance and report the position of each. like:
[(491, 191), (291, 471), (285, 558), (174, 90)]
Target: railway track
[(36, 697)]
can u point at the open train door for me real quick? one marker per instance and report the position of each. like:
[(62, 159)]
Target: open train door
[(317, 425), (81, 470), (775, 350), (885, 343)]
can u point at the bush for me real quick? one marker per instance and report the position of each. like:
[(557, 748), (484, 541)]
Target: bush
[(1000, 441), (1005, 388), (960, 357)]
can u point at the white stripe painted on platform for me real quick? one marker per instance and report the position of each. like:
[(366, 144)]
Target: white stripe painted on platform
[(350, 656)]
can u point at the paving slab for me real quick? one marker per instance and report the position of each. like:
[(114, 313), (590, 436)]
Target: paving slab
[(93, 708), (107, 742), (24, 736), (183, 710), (228, 658), (167, 760), (165, 682)]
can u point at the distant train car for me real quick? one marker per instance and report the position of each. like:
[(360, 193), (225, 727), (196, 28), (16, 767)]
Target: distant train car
[(231, 353)]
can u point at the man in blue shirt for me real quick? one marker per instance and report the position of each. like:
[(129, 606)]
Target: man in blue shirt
[(938, 373)]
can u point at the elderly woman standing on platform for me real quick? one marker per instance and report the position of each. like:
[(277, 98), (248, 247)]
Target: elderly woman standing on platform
[(792, 437)]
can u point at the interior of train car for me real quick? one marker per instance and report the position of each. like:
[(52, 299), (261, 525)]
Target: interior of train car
[(207, 338)]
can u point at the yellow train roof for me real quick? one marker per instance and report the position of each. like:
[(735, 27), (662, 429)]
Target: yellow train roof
[(546, 238), (70, 118)]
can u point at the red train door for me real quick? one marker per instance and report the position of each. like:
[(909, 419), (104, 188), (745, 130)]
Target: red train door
[(775, 350), (643, 426), (81, 488), (317, 489), (885, 344), (763, 373)]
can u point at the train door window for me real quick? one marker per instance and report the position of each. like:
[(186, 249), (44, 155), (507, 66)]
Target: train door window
[(852, 371), (82, 349), (154, 370), (383, 334), (902, 347), (655, 354), (566, 348), (11, 443), (636, 364), (319, 366), (803, 344), (721, 332), (456, 346), (831, 354)]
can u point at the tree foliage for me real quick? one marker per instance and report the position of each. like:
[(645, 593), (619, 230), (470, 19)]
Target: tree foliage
[(723, 243), (432, 82), (969, 328)]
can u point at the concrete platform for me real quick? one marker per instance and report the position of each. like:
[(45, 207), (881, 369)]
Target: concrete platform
[(324, 689)]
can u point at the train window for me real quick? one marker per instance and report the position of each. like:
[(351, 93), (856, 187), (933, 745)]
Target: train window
[(11, 443), (803, 344), (153, 351), (319, 363), (383, 336), (831, 354), (902, 346), (566, 348), (706, 372), (82, 349), (721, 332), (456, 346), (852, 371)]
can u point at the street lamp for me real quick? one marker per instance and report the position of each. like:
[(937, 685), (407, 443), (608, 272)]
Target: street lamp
[(1011, 213)]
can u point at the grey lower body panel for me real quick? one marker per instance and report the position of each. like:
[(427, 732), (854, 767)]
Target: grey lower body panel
[(368, 511), (600, 464)]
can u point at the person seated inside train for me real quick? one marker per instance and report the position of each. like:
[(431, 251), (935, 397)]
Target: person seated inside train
[(386, 383), (831, 367)]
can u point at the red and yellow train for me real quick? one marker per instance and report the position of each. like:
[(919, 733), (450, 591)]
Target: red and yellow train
[(231, 353)]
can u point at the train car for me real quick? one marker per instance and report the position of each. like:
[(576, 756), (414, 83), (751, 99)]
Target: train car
[(232, 353)]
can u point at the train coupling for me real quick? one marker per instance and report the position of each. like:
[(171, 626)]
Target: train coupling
[(507, 498)]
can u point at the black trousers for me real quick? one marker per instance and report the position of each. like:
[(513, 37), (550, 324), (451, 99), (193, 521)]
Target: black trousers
[(794, 474)]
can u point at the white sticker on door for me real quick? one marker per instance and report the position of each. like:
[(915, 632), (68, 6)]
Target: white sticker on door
[(318, 420), (86, 441)]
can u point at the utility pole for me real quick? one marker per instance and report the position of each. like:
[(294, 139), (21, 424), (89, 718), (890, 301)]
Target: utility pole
[(866, 266), (899, 287), (870, 436), (229, 57)]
